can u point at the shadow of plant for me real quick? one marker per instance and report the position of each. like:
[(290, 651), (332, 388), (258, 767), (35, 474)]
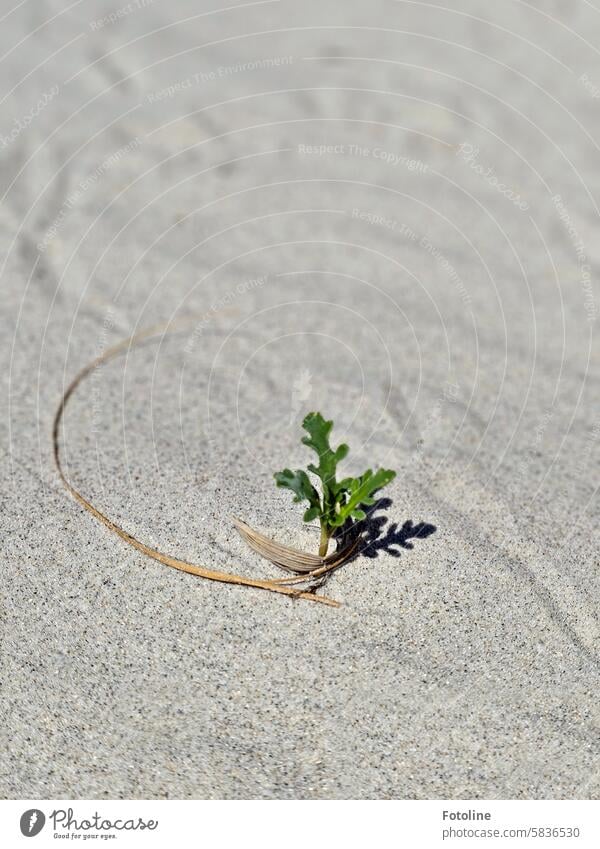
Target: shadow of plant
[(377, 535)]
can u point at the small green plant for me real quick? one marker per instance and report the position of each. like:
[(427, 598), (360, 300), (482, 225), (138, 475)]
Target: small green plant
[(339, 500)]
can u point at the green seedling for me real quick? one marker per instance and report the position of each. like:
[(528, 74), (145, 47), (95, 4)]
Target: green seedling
[(339, 501)]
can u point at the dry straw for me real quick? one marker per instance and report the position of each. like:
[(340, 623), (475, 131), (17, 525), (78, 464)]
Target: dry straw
[(307, 568)]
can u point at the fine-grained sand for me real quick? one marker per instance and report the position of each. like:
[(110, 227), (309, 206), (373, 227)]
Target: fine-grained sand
[(385, 211)]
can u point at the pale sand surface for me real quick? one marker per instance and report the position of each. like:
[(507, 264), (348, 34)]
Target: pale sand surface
[(443, 327)]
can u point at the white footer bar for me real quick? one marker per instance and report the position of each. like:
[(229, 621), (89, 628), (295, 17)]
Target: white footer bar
[(300, 824)]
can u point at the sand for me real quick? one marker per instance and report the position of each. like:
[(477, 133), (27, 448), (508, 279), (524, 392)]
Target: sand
[(383, 211)]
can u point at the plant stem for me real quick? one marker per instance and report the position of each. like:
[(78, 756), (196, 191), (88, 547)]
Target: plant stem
[(324, 542)]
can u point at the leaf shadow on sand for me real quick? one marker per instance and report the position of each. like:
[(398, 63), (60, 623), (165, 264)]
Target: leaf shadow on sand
[(378, 534)]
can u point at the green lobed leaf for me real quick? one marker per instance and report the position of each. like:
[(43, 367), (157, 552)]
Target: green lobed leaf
[(318, 439), (360, 494), (312, 513), (341, 500), (299, 483)]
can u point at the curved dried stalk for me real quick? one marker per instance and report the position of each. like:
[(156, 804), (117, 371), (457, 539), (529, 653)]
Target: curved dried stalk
[(292, 559), (168, 560)]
